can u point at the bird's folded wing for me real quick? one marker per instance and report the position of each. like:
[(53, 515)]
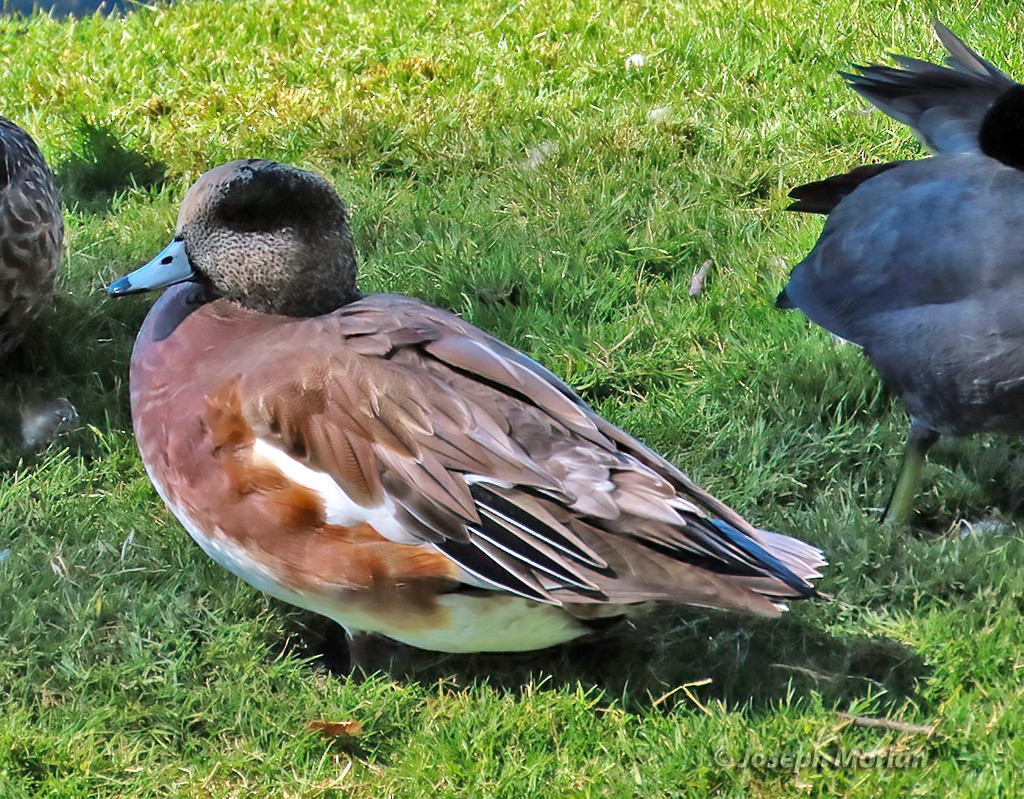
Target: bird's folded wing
[(483, 454)]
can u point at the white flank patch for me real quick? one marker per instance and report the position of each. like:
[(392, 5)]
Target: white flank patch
[(497, 622), (340, 508), (475, 623), (345, 512)]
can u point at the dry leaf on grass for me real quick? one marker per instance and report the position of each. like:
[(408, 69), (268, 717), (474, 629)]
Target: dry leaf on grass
[(335, 729)]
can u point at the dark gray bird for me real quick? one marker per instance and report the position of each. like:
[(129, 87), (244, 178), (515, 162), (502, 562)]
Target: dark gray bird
[(31, 233), (921, 263)]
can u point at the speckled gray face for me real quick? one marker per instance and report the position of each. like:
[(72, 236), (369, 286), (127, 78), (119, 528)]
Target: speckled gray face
[(268, 236)]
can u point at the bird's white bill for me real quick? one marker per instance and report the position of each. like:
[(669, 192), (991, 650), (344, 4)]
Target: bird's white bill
[(169, 267)]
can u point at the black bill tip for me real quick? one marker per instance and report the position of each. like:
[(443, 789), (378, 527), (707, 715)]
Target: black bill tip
[(122, 287)]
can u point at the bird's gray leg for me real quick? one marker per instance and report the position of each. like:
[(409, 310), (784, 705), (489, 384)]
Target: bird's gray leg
[(901, 503)]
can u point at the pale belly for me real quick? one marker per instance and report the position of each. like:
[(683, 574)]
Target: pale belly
[(472, 622), (463, 622)]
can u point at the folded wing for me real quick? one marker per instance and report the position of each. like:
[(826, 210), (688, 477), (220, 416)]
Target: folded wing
[(484, 455)]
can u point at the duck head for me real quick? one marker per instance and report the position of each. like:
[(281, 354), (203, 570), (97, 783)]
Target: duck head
[(268, 236)]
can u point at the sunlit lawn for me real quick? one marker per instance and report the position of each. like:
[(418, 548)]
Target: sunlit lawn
[(518, 164)]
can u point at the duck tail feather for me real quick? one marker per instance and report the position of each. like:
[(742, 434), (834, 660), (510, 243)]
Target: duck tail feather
[(794, 563)]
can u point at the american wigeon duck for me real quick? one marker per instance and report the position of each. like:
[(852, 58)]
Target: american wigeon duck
[(31, 234), (388, 465), (920, 262)]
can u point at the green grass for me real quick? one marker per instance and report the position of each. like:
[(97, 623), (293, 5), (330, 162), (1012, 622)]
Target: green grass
[(130, 665)]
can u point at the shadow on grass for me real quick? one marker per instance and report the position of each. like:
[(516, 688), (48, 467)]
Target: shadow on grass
[(840, 401), (102, 168), (978, 479), (78, 350), (737, 660)]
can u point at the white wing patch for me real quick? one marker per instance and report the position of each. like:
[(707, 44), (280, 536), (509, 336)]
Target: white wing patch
[(340, 508), (477, 623)]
